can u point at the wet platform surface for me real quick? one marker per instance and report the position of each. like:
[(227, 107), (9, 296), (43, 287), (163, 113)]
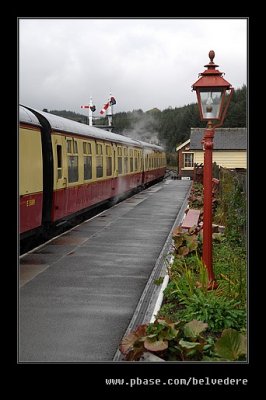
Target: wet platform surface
[(78, 292)]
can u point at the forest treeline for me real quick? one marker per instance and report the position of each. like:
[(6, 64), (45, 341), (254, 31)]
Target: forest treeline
[(169, 127)]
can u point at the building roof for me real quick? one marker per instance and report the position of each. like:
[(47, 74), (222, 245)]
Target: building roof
[(182, 145), (224, 139)]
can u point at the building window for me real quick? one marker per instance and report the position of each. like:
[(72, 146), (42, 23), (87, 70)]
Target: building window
[(188, 160)]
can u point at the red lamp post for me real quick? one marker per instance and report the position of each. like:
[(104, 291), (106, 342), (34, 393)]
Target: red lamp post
[(211, 89)]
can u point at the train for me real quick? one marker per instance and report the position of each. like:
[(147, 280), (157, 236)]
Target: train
[(67, 168)]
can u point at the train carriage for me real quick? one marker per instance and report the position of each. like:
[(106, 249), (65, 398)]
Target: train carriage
[(30, 172), (82, 166), (154, 161)]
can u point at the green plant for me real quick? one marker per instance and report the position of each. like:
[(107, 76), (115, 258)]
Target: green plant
[(231, 345), (230, 270), (169, 340), (231, 209), (185, 242), (196, 196), (174, 341), (169, 292), (170, 311), (217, 311), (158, 281), (190, 279)]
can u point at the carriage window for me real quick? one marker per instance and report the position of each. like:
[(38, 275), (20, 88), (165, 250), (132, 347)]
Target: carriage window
[(147, 162), (87, 161), (99, 166), (99, 161), (131, 160), (59, 161), (99, 149), (119, 160), (125, 165), (108, 161), (135, 160), (108, 166), (120, 167), (85, 149), (73, 174), (72, 161), (69, 146), (87, 167), (125, 152)]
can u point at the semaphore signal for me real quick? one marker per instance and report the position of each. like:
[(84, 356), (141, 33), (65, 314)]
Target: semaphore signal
[(91, 108), (108, 108)]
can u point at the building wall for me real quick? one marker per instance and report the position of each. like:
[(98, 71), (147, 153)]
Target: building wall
[(180, 161), (226, 159), (180, 158)]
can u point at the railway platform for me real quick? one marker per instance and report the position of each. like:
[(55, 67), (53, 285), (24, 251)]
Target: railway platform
[(79, 292)]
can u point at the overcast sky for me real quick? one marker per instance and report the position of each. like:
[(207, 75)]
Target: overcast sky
[(145, 63)]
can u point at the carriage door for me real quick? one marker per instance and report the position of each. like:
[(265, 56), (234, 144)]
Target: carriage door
[(60, 168)]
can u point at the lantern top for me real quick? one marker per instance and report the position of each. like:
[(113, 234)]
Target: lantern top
[(211, 77), (211, 64)]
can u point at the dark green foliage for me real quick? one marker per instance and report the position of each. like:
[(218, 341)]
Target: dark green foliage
[(70, 115), (231, 210), (237, 114), (230, 268)]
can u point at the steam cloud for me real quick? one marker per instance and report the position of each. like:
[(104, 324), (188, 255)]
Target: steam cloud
[(143, 128)]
